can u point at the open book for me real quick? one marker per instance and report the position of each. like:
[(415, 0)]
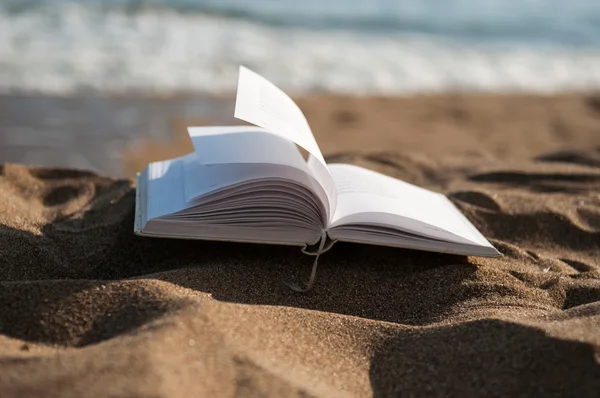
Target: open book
[(253, 184)]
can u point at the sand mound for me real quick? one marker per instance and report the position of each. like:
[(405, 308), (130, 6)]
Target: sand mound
[(89, 309)]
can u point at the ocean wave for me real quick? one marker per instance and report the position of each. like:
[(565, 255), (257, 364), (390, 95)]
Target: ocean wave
[(72, 47), (574, 23)]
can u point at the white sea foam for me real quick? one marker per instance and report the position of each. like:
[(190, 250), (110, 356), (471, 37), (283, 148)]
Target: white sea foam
[(72, 48)]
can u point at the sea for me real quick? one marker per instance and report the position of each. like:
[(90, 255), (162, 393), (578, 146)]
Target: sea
[(361, 47)]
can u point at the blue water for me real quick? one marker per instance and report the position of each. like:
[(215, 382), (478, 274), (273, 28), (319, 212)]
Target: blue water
[(368, 46)]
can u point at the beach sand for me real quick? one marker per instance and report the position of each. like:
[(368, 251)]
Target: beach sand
[(89, 309)]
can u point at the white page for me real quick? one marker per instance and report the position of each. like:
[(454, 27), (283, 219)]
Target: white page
[(261, 103), (367, 197), (202, 180), (165, 187), (226, 155), (244, 144)]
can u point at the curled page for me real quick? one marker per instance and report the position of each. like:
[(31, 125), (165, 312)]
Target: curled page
[(261, 103), (243, 144)]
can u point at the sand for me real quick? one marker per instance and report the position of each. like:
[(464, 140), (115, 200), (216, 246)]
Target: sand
[(89, 309)]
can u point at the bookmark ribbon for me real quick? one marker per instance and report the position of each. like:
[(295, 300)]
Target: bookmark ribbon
[(297, 288)]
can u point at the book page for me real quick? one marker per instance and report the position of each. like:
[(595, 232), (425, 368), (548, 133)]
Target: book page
[(366, 197), (223, 150), (165, 194), (243, 144), (263, 104)]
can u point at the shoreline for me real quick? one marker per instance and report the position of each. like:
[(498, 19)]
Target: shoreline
[(119, 135), (229, 95)]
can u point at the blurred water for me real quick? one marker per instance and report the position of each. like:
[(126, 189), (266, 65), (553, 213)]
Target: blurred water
[(93, 133), (345, 46)]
